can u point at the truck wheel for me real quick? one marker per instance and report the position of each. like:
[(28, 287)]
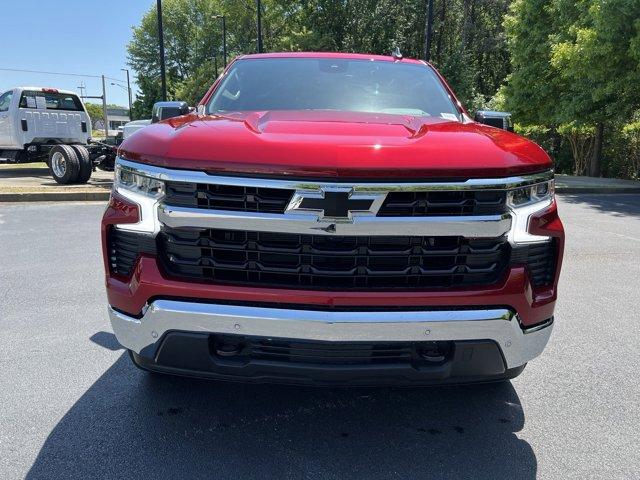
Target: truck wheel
[(64, 164), (86, 165)]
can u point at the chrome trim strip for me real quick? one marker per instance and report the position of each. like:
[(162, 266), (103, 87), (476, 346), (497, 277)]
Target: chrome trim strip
[(487, 226), (192, 176), (548, 322), (499, 325)]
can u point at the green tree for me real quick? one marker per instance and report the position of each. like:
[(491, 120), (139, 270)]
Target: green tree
[(148, 94), (469, 45), (575, 66), (191, 35), (94, 111)]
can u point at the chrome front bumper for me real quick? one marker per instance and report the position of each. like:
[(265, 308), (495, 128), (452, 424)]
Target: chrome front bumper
[(499, 325)]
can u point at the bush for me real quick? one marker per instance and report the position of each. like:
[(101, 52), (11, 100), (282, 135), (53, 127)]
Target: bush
[(552, 142), (622, 152), (570, 146)]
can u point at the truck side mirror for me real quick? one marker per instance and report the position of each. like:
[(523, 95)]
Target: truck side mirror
[(495, 119), (165, 110)]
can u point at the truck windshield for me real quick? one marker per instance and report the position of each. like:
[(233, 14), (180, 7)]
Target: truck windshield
[(50, 101), (332, 84)]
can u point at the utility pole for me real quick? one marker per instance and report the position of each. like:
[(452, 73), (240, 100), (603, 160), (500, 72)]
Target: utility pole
[(427, 31), (82, 88), (163, 77), (128, 89), (104, 108), (215, 62), (224, 39), (259, 9)]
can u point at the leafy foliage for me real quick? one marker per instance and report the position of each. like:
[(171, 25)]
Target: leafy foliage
[(468, 43), (94, 111), (568, 70), (576, 67)]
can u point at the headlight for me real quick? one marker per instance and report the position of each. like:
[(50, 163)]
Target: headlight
[(145, 191), (523, 203), (523, 196), (127, 179)]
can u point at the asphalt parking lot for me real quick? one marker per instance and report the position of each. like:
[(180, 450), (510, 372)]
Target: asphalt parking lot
[(72, 405)]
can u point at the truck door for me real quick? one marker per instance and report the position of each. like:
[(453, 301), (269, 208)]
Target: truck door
[(6, 122)]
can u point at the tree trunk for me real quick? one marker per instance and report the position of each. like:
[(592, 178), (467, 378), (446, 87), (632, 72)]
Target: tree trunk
[(441, 31), (594, 166), (467, 22)]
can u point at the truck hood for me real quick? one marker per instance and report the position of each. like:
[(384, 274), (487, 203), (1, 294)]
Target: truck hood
[(334, 144)]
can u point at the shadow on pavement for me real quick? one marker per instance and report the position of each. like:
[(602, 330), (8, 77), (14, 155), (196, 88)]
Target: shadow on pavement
[(619, 205), (106, 340), (131, 424)]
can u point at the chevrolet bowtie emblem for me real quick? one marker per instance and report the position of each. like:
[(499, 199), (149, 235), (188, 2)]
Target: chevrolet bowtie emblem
[(335, 204)]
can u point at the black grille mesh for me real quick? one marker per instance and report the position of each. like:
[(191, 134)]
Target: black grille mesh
[(224, 197), (416, 204), (309, 261), (331, 262), (124, 249), (329, 353), (540, 259)]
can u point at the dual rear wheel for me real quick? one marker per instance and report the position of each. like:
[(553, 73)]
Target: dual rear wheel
[(70, 164)]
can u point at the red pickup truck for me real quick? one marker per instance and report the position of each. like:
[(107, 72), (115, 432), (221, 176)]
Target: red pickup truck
[(332, 218)]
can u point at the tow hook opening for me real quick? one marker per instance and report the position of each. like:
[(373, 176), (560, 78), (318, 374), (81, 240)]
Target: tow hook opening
[(435, 352)]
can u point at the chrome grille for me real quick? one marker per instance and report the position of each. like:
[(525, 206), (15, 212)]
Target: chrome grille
[(273, 200)]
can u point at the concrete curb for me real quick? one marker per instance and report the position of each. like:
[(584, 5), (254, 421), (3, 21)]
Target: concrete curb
[(597, 190), (54, 196)]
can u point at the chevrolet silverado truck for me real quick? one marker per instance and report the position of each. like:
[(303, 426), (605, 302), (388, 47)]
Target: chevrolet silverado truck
[(331, 219)]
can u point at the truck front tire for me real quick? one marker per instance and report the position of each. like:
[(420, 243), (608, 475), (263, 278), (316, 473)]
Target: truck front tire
[(64, 164), (86, 165)]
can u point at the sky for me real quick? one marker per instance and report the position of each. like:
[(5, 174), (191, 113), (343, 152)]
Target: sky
[(86, 37)]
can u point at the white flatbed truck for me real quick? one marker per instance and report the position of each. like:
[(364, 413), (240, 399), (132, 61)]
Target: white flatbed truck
[(52, 125)]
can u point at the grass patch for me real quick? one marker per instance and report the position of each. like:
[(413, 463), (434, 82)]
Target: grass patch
[(18, 166)]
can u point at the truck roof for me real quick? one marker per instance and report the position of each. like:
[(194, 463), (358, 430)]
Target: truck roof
[(350, 56), (43, 89)]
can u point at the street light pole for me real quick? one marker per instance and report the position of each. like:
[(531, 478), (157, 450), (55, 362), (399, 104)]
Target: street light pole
[(128, 89), (163, 77), (259, 9), (104, 109), (427, 31)]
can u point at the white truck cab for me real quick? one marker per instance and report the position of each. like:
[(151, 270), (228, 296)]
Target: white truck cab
[(35, 116)]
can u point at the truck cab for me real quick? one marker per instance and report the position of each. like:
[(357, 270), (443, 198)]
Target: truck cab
[(33, 116)]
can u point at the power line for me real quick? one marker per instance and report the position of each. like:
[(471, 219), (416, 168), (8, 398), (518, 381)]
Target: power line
[(48, 73), (58, 73)]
